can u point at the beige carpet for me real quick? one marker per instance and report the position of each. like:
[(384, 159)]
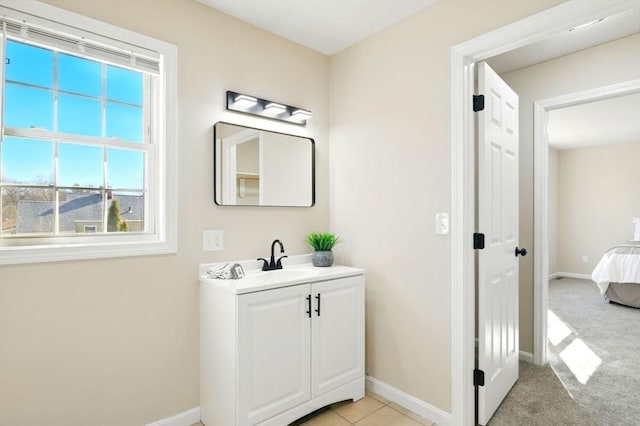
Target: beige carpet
[(593, 375), (599, 360), (539, 399)]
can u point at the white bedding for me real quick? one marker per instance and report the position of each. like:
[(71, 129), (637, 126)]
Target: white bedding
[(618, 265)]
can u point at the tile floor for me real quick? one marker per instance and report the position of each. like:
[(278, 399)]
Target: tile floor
[(372, 410)]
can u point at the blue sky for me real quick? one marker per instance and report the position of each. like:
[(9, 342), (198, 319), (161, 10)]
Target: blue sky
[(29, 102)]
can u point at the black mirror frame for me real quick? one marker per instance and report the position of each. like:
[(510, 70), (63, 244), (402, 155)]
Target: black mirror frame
[(215, 166)]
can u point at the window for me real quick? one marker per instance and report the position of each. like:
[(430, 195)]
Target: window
[(86, 151)]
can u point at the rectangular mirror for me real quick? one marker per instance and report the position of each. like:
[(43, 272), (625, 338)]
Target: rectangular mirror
[(254, 167)]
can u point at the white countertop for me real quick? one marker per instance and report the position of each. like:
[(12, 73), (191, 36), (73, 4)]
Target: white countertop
[(296, 270)]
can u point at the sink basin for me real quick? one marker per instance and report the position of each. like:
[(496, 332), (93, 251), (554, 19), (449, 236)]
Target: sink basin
[(283, 275)]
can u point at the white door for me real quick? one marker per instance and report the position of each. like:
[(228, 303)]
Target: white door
[(274, 332), (498, 220), (337, 342)]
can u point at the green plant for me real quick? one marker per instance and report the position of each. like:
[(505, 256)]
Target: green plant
[(123, 226), (322, 241), (113, 218)]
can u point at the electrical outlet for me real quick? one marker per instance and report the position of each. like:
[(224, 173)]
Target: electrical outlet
[(585, 258), (212, 240)]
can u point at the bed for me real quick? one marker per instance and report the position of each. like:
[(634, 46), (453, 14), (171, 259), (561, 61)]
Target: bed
[(617, 275)]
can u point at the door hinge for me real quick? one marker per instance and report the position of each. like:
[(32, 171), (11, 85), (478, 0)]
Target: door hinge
[(478, 241), (478, 377), (478, 103)]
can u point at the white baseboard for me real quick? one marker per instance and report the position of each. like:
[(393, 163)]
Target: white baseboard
[(428, 411), (526, 356), (186, 418), (569, 275)]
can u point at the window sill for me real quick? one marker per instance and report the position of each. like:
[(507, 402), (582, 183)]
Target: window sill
[(86, 250)]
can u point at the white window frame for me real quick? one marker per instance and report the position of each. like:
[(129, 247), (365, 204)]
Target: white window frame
[(161, 170)]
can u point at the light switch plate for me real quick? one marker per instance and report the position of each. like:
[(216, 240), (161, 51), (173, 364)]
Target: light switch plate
[(212, 240), (442, 223)]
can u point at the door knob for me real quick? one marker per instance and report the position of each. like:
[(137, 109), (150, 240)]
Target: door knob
[(521, 251)]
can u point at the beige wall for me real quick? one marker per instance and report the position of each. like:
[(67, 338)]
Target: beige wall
[(597, 198), (599, 66), (390, 174), (552, 209), (248, 161), (247, 156), (115, 341)]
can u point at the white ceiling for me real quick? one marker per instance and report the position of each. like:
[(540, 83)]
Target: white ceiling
[(607, 121), (327, 26)]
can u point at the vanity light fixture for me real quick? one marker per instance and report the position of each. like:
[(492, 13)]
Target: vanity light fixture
[(273, 109), (264, 108), (300, 115), (244, 101)]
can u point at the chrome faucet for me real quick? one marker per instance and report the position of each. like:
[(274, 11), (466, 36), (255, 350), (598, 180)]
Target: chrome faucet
[(273, 263)]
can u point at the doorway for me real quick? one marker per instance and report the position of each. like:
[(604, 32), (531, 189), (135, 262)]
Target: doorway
[(541, 200), (463, 56)]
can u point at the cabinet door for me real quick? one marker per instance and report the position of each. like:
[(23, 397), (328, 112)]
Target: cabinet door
[(337, 333), (273, 352)]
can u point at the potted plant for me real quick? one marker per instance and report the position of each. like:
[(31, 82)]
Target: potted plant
[(322, 243)]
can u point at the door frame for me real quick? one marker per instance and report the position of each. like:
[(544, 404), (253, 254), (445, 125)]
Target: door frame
[(541, 200), (520, 33), (228, 154)]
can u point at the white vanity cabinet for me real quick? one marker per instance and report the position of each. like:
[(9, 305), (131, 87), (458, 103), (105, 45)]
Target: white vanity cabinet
[(337, 333), (274, 350), (274, 355)]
